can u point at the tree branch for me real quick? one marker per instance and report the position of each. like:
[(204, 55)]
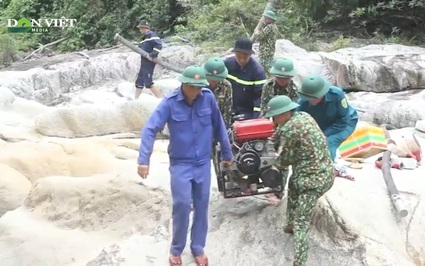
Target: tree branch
[(42, 47)]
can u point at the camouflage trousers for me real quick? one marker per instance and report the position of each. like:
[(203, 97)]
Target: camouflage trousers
[(299, 213), (266, 61)]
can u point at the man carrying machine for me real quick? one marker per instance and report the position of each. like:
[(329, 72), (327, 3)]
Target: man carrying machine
[(303, 146)]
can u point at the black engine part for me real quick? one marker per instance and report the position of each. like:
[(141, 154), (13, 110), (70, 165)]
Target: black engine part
[(248, 162), (271, 177)]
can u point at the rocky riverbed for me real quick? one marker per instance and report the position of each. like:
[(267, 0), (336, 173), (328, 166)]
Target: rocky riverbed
[(70, 194)]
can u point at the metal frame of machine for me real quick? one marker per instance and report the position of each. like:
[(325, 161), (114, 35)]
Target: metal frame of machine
[(252, 171)]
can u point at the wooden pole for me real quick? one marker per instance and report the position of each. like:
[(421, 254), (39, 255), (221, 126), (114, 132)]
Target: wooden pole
[(136, 49), (392, 189)]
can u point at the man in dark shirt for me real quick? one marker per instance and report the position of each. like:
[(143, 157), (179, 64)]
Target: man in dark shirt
[(247, 77), (152, 45)]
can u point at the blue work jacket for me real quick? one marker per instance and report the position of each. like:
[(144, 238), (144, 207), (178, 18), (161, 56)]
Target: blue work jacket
[(333, 114), (247, 85), (192, 129), (151, 44)]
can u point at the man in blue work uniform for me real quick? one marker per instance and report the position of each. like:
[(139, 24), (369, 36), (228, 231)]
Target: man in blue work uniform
[(193, 119), (328, 105), (247, 77), (152, 45)]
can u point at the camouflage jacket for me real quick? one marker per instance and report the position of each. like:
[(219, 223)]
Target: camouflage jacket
[(267, 39), (223, 95), (303, 145), (271, 89)]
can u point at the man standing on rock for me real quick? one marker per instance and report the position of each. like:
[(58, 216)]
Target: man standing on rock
[(152, 45), (247, 77), (267, 37), (193, 120), (328, 105), (216, 72), (303, 146)]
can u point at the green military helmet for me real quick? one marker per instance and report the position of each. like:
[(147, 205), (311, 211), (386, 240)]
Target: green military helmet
[(283, 68), (279, 105), (313, 87), (194, 76), (215, 69), (270, 14)]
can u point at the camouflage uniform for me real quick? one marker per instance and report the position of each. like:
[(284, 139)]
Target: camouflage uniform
[(267, 38), (271, 89), (223, 94), (303, 145)]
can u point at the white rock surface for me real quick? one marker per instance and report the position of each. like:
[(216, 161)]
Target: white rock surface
[(401, 109), (372, 68), (64, 74), (117, 212), (378, 68), (84, 193), (95, 120), (167, 85), (14, 188), (60, 157), (420, 125)]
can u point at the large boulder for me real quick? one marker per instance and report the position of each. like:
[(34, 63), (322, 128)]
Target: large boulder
[(45, 85), (96, 119), (36, 160), (372, 68), (182, 56), (306, 63), (378, 68), (17, 116), (10, 104), (400, 109), (64, 74), (14, 188), (122, 201)]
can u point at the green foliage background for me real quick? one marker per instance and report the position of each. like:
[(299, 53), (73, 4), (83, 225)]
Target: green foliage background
[(215, 23)]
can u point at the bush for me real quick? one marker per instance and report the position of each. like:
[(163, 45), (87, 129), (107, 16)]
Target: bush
[(97, 21), (8, 50), (221, 22), (217, 23)]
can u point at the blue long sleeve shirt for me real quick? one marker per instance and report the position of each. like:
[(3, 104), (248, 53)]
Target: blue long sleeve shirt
[(334, 114), (192, 129), (151, 44), (247, 84)]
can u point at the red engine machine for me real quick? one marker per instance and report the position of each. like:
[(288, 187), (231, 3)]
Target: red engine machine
[(252, 171)]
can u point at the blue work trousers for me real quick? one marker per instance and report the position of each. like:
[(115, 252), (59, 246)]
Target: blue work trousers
[(190, 183), (145, 76), (335, 140)]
